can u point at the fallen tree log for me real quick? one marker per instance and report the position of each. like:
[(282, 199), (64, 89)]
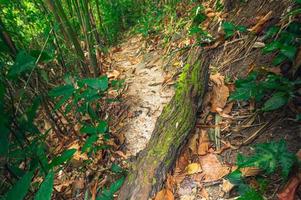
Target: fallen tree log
[(176, 121)]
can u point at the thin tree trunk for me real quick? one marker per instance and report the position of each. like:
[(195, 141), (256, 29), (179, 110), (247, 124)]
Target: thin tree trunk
[(173, 126), (7, 40), (66, 27), (89, 37)]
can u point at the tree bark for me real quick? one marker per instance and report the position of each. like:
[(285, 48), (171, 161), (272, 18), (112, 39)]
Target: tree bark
[(176, 121)]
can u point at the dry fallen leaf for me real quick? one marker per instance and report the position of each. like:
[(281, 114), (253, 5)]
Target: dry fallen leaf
[(261, 22), (192, 143), (203, 142), (249, 171), (113, 75), (227, 186), (204, 193), (183, 160), (212, 168), (78, 156), (164, 194), (289, 190), (193, 168), (220, 93), (170, 182)]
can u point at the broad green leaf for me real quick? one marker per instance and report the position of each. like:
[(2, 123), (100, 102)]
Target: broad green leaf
[(278, 100), (251, 194), (280, 58), (100, 83), (235, 177), (271, 32), (43, 56), (273, 46), (67, 155), (19, 190), (62, 101), (298, 1), (102, 127), (62, 91), (241, 28), (46, 188), (116, 168), (88, 129), (107, 194), (289, 51), (298, 117), (24, 62), (89, 143)]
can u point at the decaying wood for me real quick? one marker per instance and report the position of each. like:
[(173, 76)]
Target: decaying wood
[(172, 128)]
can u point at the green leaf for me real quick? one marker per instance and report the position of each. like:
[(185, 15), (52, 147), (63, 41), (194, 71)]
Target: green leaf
[(102, 127), (298, 1), (298, 117), (88, 129), (89, 143), (271, 32), (107, 194), (278, 100), (251, 194), (273, 46), (235, 177), (289, 51), (19, 190), (64, 90), (46, 188), (116, 168), (286, 159), (101, 83), (280, 58), (67, 155), (24, 62)]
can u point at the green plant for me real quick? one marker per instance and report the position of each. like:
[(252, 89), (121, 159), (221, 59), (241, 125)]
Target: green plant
[(276, 90), (198, 17), (285, 45), (230, 29), (268, 157)]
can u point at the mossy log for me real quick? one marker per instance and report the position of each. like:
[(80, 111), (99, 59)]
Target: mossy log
[(176, 121)]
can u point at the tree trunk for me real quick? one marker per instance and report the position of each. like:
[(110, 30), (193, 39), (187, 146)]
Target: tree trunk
[(176, 121)]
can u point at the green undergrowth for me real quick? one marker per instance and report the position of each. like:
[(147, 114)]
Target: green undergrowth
[(271, 92), (269, 158)]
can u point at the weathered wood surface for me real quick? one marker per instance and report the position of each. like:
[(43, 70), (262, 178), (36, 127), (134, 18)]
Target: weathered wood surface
[(177, 120)]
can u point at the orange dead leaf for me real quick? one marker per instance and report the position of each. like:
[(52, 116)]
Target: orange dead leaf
[(170, 182), (183, 160), (192, 144), (220, 93), (289, 190), (212, 168), (203, 142), (164, 194), (204, 193), (261, 22)]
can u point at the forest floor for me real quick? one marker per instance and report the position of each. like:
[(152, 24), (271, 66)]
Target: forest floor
[(225, 128), (146, 92)]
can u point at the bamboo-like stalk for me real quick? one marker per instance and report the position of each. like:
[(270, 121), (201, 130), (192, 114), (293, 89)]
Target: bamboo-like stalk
[(58, 11), (89, 36)]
